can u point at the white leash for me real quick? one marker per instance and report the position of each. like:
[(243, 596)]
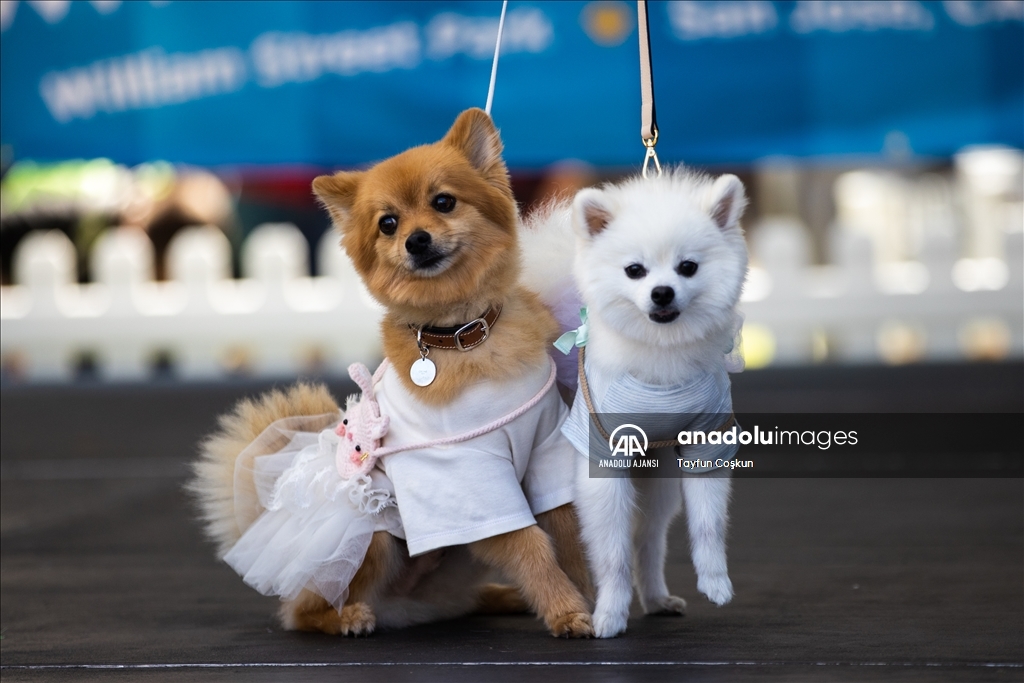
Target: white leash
[(494, 64), (465, 436), (648, 115)]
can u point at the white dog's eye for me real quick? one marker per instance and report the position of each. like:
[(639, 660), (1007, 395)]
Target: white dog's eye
[(687, 268), (634, 271)]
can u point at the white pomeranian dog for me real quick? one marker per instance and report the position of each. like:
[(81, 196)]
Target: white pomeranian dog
[(659, 263)]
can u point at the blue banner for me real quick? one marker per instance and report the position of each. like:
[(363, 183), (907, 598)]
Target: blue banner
[(343, 84)]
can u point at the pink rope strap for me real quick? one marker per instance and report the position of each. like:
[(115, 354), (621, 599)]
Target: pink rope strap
[(466, 436)]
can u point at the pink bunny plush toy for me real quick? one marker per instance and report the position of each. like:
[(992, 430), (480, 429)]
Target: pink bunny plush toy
[(362, 429)]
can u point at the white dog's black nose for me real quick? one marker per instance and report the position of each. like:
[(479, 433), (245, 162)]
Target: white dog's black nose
[(662, 296), (418, 242)]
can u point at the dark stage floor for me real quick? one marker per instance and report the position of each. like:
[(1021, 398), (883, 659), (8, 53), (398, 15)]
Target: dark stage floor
[(105, 576)]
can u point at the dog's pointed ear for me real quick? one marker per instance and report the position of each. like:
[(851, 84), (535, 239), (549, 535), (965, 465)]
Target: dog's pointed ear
[(337, 193), (591, 212), (724, 201), (473, 134)]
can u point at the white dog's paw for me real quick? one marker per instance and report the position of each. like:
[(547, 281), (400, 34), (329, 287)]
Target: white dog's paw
[(718, 588), (669, 604), (608, 625)]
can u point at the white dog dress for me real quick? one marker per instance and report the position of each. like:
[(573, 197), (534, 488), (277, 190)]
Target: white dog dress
[(491, 484), (436, 476)]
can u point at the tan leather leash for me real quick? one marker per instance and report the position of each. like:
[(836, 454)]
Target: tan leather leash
[(585, 388), (648, 114)]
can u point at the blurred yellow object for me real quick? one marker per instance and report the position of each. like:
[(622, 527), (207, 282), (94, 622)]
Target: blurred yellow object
[(899, 343), (607, 23), (757, 346), (819, 345), (985, 339), (237, 360), (93, 185)]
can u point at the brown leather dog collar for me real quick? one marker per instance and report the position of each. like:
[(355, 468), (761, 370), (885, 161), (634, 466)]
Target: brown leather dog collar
[(461, 337)]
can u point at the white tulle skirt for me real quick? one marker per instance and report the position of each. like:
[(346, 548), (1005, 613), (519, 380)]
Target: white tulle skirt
[(314, 528)]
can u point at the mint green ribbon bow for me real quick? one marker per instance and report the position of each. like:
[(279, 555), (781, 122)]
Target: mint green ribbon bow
[(577, 337)]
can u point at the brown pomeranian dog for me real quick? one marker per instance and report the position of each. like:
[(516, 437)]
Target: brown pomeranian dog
[(433, 234)]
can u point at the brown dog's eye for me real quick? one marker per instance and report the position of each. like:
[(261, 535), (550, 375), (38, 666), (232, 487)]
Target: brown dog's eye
[(687, 269), (388, 224), (443, 203)]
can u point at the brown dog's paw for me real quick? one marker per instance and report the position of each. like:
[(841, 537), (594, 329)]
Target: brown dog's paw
[(357, 619), (573, 625)]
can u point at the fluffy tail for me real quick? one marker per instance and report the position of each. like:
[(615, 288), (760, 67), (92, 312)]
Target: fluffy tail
[(548, 248), (213, 482)]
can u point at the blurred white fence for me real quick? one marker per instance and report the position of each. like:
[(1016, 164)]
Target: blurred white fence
[(275, 321), (921, 270), (924, 267), (938, 307), (278, 321)]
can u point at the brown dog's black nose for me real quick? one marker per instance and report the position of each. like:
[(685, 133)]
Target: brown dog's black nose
[(418, 242), (662, 296)]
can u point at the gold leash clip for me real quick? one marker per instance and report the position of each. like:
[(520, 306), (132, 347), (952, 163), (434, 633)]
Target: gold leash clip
[(651, 154)]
